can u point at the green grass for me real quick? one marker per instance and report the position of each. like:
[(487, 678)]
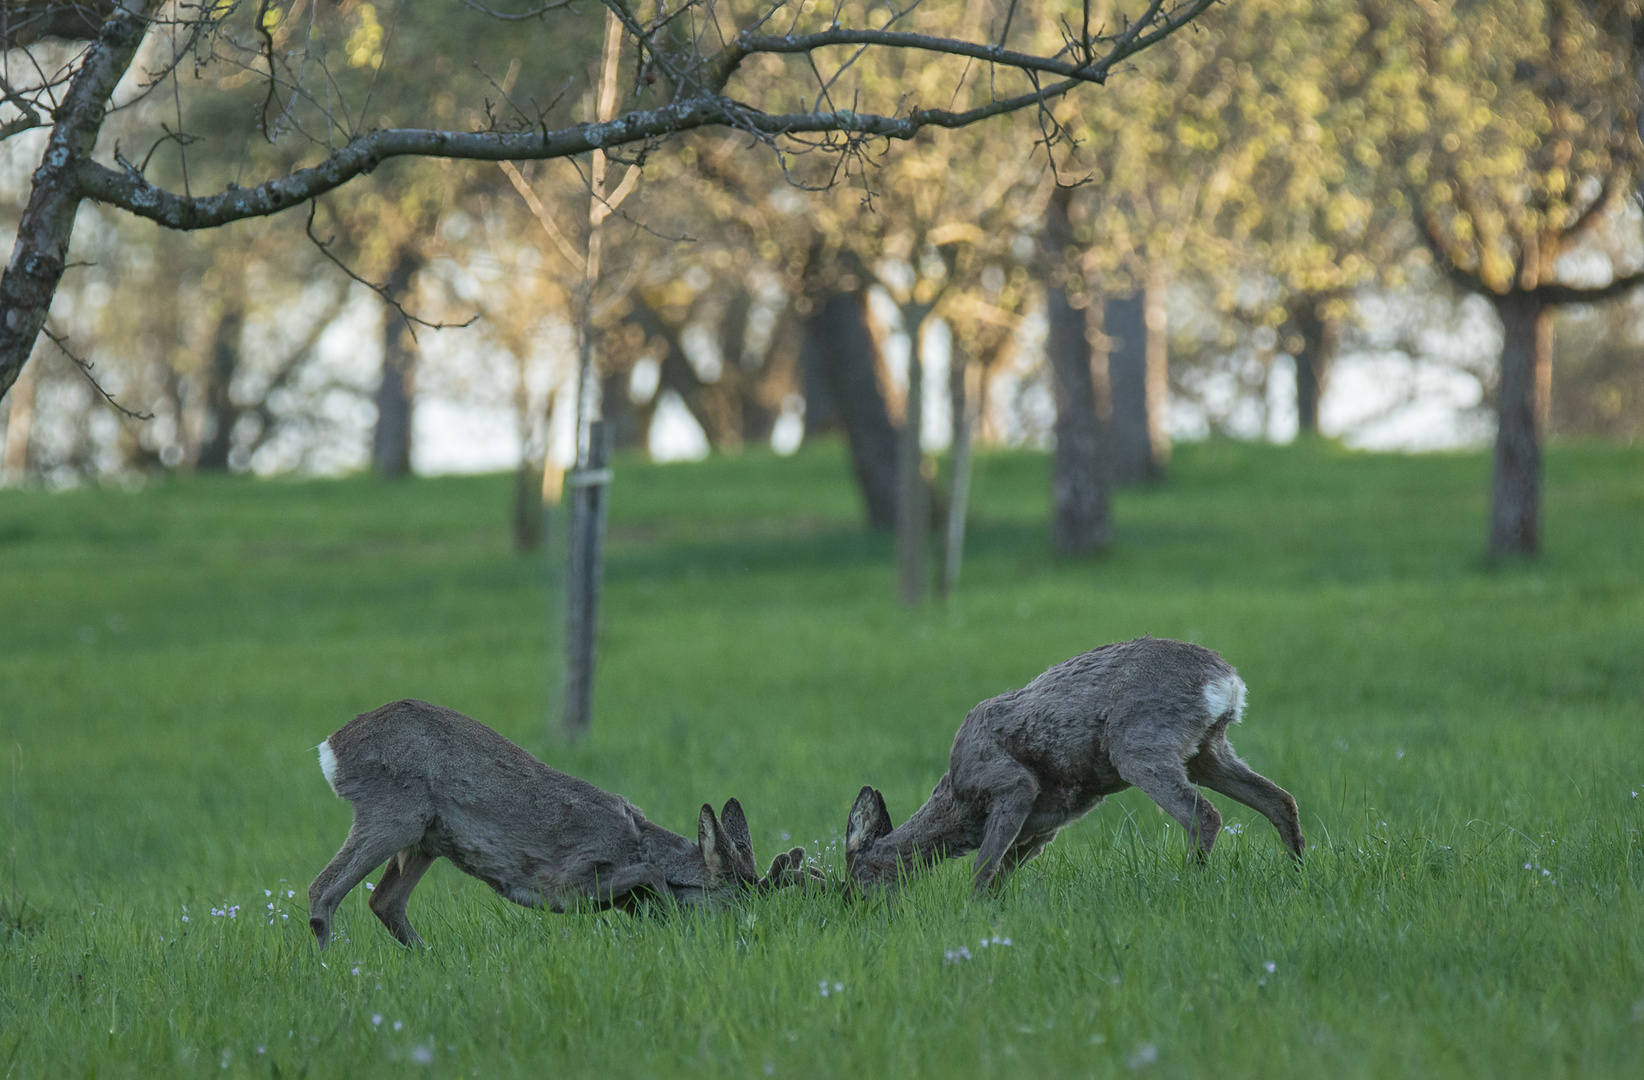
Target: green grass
[(169, 658)]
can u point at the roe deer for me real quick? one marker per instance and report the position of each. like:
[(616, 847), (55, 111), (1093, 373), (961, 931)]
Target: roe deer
[(1150, 713), (426, 781)]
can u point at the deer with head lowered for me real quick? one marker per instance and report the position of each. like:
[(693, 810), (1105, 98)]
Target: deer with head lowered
[(427, 782), (1150, 713)]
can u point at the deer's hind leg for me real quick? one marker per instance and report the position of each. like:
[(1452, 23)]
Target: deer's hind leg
[(1218, 768), (371, 840), (393, 892), (1165, 780)]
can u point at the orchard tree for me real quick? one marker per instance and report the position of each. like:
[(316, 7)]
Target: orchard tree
[(1524, 137), (1317, 207), (684, 76), (307, 83), (924, 222)]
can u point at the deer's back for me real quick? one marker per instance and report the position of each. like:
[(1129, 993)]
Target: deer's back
[(436, 762), (1082, 705)]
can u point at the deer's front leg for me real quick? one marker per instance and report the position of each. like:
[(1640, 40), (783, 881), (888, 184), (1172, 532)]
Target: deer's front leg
[(1012, 791)]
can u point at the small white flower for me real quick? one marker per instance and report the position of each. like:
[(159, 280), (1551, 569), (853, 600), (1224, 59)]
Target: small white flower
[(289, 893), (1269, 966), (185, 918), (268, 892), (356, 969), (376, 1019), (822, 987), (1398, 755), (953, 956), (1145, 1055), (262, 1049), (1526, 866), (1235, 829), (370, 887), (422, 1055), (398, 1024), (271, 907), (1546, 873)]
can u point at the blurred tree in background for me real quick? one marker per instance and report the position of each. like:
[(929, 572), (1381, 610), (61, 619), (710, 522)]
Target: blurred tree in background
[(1522, 139), (1250, 197)]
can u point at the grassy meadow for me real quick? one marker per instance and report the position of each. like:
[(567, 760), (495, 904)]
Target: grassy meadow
[(1466, 744)]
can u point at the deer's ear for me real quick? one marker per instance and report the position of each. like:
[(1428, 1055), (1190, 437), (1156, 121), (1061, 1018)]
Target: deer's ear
[(734, 824), (708, 839), (868, 822)]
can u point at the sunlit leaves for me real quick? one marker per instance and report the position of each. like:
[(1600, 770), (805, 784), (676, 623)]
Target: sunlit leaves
[(1525, 99), (364, 45)]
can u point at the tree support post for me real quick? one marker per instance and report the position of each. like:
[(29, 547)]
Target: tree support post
[(584, 574), (912, 490), (964, 408)]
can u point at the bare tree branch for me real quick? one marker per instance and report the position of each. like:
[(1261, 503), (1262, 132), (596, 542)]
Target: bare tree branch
[(411, 321), (86, 369), (132, 192), (1573, 294)]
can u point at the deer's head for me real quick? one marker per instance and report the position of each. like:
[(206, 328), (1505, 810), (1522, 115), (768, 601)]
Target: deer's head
[(866, 865), (728, 858)]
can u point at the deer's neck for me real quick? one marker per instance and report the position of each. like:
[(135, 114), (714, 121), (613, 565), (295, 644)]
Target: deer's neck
[(942, 828), (678, 857)]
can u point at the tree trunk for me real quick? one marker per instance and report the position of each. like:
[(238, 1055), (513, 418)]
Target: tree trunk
[(526, 519), (630, 423), (1136, 327), (1156, 315), (221, 412), (15, 463), (840, 358), (912, 492), (1080, 518), (391, 439), (961, 404), (1321, 338), (1526, 353), (1124, 325), (40, 251)]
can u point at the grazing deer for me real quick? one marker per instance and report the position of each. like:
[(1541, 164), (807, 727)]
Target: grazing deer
[(1149, 713), (426, 781)]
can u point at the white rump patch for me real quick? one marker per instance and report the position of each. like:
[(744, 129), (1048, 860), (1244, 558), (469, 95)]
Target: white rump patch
[(1225, 694), (328, 766)]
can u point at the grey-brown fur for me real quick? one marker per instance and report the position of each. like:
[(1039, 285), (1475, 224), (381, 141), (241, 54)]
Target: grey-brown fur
[(1028, 762), (427, 782)]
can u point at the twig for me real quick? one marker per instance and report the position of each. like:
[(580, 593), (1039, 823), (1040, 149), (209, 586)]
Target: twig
[(411, 321), (553, 5), (521, 185), (86, 367)]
